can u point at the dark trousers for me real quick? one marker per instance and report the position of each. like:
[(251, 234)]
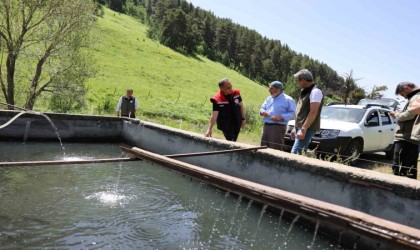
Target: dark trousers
[(405, 159), (231, 134), (273, 136)]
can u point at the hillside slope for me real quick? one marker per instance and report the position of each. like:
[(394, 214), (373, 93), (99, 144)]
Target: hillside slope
[(172, 88)]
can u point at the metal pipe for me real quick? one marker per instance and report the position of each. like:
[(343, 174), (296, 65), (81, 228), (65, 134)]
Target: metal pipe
[(228, 151), (61, 162)]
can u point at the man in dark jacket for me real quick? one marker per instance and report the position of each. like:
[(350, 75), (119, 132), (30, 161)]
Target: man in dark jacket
[(406, 150), (228, 111), (127, 105)]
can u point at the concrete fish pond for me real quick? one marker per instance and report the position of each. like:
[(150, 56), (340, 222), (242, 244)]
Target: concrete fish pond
[(356, 208)]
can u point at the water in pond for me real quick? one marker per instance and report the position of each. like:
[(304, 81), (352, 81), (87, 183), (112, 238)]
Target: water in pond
[(130, 205)]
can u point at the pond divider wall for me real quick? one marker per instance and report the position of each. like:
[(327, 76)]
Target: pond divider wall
[(392, 198)]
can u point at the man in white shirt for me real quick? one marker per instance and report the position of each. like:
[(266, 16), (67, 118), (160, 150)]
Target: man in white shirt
[(308, 111), (127, 105)]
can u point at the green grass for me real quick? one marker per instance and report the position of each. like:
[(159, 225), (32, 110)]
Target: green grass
[(173, 88)]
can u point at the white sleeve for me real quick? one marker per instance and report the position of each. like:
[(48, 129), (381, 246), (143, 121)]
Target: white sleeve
[(119, 105), (316, 96), (136, 104)]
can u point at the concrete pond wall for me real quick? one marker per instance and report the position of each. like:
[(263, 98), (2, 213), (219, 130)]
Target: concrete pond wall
[(386, 196)]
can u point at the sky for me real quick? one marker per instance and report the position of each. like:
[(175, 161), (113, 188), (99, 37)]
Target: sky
[(378, 39)]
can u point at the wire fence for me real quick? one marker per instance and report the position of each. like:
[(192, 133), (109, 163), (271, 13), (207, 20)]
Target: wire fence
[(342, 156)]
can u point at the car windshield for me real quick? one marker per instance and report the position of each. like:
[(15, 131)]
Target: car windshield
[(342, 114)]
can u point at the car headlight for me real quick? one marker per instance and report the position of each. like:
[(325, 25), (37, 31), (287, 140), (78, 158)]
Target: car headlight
[(329, 133)]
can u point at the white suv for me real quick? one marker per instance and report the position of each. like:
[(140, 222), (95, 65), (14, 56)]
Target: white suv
[(349, 130)]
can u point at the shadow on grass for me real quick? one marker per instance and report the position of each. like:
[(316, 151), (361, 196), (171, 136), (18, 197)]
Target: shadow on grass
[(189, 55)]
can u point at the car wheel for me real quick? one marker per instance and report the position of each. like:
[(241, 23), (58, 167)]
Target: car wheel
[(353, 151)]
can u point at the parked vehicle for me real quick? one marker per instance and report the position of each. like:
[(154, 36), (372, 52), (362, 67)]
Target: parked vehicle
[(349, 130)]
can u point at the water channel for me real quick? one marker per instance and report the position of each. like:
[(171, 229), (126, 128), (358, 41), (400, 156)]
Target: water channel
[(130, 205)]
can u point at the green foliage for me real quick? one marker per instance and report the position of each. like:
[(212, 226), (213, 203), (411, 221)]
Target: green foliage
[(291, 88), (108, 103), (182, 26), (137, 11), (68, 102), (253, 119), (377, 92), (43, 47), (99, 10)]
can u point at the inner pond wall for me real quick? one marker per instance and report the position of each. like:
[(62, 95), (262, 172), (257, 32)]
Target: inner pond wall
[(389, 197)]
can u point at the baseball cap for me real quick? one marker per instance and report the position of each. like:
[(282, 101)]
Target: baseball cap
[(277, 85)]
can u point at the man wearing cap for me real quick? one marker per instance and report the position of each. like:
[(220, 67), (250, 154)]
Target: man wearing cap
[(127, 105), (228, 111), (407, 139), (277, 110), (308, 111)]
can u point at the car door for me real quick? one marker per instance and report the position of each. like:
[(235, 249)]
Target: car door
[(388, 128), (372, 131)]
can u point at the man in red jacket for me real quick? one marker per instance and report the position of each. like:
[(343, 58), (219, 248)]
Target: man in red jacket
[(228, 111)]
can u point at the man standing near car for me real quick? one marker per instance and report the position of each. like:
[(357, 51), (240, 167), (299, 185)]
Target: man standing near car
[(406, 149), (277, 110), (308, 111), (228, 111)]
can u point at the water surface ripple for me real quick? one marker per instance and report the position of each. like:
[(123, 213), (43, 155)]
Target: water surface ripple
[(133, 205)]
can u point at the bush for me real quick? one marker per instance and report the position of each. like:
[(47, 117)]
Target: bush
[(99, 10), (135, 10)]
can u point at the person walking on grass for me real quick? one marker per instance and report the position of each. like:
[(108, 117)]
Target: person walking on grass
[(277, 110), (228, 111), (308, 111), (127, 105), (407, 140)]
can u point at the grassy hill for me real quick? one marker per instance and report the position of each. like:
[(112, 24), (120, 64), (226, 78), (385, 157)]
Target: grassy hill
[(172, 88)]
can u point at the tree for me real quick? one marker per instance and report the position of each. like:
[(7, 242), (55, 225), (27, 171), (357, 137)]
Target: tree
[(117, 5), (376, 92), (39, 40), (349, 85), (175, 27)]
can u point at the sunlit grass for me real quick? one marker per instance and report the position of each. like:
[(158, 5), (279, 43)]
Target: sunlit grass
[(173, 88)]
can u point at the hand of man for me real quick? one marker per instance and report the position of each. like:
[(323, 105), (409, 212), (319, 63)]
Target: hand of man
[(394, 113), (265, 114), (301, 134), (277, 118), (243, 123), (292, 133), (208, 133)]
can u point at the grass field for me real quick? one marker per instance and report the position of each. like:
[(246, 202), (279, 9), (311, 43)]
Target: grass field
[(172, 88)]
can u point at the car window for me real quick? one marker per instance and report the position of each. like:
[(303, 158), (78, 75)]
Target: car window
[(342, 114), (372, 119), (385, 118)]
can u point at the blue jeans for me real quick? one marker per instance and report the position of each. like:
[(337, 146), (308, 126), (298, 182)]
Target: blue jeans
[(302, 144)]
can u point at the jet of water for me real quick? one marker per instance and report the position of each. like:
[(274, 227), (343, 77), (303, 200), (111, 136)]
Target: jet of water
[(258, 224), (35, 113)]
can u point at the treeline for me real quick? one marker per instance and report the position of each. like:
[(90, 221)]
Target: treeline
[(182, 26)]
